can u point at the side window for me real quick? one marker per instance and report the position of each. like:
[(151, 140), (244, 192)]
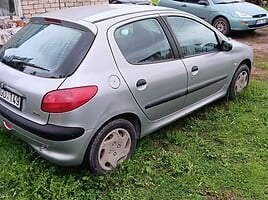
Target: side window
[(194, 38), (143, 41)]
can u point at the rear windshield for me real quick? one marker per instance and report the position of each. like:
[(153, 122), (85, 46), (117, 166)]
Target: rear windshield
[(47, 50)]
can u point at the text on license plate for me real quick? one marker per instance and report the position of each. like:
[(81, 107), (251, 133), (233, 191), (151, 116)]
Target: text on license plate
[(261, 21), (11, 98)]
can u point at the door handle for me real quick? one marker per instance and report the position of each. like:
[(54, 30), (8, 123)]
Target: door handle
[(194, 70), (184, 5), (141, 82)]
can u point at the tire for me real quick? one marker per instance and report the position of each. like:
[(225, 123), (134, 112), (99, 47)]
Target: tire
[(239, 82), (222, 25), (114, 143)]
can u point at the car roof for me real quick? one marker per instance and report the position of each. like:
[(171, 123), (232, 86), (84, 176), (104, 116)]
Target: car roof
[(95, 13)]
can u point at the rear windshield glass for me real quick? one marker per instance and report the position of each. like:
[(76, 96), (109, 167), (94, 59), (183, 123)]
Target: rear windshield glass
[(46, 50)]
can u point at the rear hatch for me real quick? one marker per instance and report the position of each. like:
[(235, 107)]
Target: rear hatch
[(36, 61)]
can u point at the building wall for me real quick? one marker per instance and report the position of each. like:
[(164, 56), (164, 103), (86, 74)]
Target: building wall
[(34, 7)]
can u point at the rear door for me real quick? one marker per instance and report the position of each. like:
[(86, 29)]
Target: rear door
[(145, 59), (192, 6)]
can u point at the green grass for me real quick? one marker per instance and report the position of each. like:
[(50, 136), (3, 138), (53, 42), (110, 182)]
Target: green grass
[(262, 64), (219, 152)]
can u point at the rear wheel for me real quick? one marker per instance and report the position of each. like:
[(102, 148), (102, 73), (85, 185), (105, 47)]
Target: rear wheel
[(222, 25), (239, 82), (114, 143)]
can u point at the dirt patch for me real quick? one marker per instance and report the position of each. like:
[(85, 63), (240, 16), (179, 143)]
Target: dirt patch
[(168, 146), (258, 40), (226, 194), (260, 74)]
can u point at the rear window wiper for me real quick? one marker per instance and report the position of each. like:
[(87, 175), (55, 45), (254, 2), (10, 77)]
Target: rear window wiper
[(29, 64)]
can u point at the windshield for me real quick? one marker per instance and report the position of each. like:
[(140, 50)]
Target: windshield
[(44, 49), (225, 1)]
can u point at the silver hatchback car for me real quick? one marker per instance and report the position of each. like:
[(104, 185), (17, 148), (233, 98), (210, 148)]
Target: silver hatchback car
[(84, 84)]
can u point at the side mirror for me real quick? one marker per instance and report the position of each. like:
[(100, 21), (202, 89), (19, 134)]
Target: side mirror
[(226, 46), (203, 2)]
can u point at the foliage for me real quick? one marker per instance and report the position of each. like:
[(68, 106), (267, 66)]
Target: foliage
[(257, 2), (155, 2)]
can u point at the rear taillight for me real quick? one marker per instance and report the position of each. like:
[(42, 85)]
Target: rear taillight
[(65, 100)]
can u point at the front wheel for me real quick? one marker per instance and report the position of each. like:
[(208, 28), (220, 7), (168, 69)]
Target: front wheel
[(222, 25), (113, 144), (239, 82)]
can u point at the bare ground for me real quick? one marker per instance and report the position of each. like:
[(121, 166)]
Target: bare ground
[(258, 40)]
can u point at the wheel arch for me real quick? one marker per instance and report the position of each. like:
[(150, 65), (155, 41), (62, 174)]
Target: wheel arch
[(220, 16), (246, 62), (131, 117), (227, 26), (134, 119)]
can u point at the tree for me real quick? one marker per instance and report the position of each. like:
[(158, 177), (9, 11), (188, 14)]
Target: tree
[(257, 2)]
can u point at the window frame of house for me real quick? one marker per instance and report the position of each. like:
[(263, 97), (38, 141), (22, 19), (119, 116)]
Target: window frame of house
[(18, 9)]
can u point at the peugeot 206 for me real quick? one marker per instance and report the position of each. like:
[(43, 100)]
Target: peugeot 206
[(82, 85)]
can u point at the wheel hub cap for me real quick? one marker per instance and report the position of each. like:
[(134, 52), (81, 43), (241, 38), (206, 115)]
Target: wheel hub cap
[(114, 148), (241, 81)]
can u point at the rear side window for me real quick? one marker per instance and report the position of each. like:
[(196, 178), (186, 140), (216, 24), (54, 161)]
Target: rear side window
[(143, 41), (47, 50)]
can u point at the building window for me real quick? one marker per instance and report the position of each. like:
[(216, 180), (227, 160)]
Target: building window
[(10, 8)]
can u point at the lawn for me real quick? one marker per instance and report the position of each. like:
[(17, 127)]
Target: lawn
[(219, 152)]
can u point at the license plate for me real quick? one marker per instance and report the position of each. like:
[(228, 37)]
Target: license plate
[(261, 21), (11, 98)]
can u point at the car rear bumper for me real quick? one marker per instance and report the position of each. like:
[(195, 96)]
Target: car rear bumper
[(48, 131), (67, 147)]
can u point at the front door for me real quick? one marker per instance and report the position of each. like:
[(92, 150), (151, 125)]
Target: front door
[(207, 66)]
